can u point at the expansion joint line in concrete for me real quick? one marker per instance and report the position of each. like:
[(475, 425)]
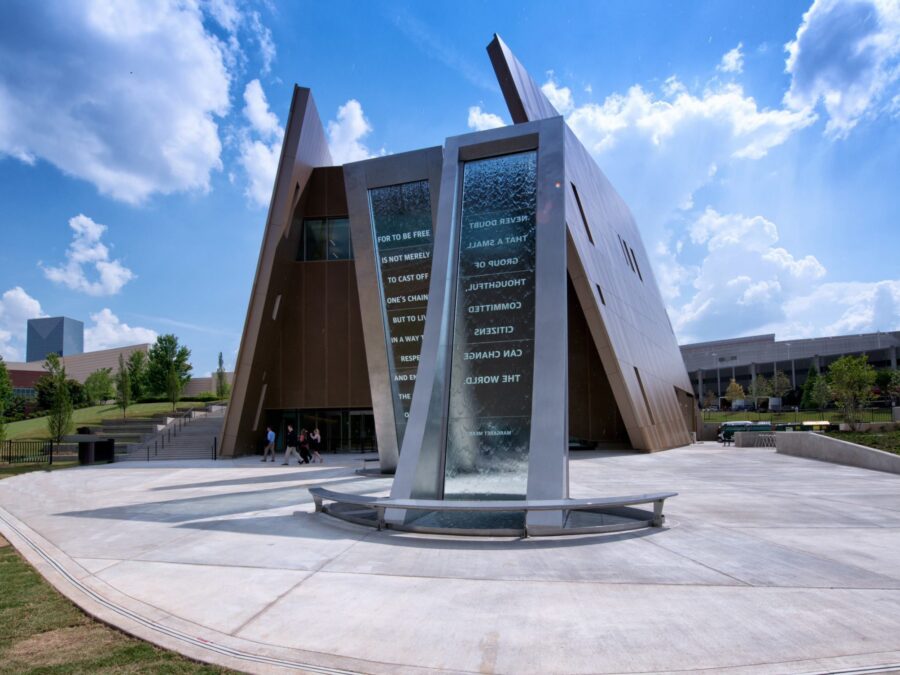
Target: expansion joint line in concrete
[(159, 628)]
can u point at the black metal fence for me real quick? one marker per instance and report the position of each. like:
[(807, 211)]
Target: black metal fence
[(868, 415), (37, 452)]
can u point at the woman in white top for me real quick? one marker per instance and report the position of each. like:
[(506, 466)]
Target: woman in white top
[(315, 443)]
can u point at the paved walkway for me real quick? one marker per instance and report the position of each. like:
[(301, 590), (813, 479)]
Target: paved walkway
[(769, 564)]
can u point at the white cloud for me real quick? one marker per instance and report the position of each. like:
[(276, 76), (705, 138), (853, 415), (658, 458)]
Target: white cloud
[(261, 139), (123, 95), (480, 120), (256, 110), (87, 249), (748, 285), (16, 307), (658, 150), (732, 61), (842, 308), (846, 54), (560, 97), (260, 161), (263, 37), (108, 332), (226, 14), (259, 157), (345, 134)]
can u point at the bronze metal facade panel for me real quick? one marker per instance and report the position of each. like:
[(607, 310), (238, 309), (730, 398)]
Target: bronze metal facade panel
[(360, 395), (308, 353), (304, 148), (593, 413), (336, 327), (524, 98)]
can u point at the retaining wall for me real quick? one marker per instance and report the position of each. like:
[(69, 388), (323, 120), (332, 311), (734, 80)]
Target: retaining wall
[(818, 446)]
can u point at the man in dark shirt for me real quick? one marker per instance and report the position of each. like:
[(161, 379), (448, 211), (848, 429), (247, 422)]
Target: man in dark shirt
[(290, 446)]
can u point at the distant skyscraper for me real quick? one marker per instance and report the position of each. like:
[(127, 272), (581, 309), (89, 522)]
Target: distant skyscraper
[(58, 334)]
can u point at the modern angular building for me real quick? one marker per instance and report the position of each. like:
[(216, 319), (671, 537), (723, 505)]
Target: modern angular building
[(475, 306), (54, 335)]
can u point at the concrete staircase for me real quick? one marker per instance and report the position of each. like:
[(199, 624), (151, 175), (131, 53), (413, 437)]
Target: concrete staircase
[(193, 440)]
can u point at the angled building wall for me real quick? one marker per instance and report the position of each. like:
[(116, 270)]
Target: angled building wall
[(614, 282), (257, 370)]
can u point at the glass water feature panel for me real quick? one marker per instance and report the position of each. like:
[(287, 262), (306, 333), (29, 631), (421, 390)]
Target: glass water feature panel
[(401, 226), (489, 420)]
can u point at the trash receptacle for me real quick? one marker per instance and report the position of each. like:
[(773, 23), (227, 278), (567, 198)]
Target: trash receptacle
[(105, 450), (85, 452)]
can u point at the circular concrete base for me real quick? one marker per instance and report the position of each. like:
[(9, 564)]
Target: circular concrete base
[(778, 564)]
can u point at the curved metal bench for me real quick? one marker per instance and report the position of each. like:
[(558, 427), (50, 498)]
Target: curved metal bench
[(603, 505)]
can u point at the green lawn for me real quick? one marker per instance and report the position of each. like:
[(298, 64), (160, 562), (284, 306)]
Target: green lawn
[(7, 470), (885, 440), (42, 632), (36, 428)]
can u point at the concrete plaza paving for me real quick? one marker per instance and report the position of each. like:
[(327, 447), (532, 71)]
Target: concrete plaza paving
[(768, 564)]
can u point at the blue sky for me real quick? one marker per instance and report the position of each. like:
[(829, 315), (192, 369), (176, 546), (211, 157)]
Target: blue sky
[(756, 143)]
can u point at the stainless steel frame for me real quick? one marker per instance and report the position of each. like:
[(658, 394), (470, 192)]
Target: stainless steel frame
[(420, 472), (359, 178)]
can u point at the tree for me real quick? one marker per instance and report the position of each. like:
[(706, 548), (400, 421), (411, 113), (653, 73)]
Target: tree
[(123, 385), (45, 390), (780, 384), (173, 385), (6, 397), (893, 386), (709, 400), (137, 374), (164, 355), (735, 392), (98, 386), (806, 399), (222, 386), (762, 388), (851, 379), (820, 396), (59, 421)]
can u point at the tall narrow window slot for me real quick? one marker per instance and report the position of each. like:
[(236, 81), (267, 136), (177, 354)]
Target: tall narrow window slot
[(644, 394), (637, 268), (584, 221)]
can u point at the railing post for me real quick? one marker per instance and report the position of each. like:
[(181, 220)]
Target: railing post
[(51, 453)]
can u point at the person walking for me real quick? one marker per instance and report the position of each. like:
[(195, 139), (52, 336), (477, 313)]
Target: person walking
[(270, 444), (290, 448), (315, 444), (304, 446)]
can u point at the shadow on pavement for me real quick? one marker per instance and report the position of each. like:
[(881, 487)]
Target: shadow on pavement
[(212, 506)]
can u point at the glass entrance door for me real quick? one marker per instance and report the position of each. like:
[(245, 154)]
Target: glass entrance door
[(362, 431)]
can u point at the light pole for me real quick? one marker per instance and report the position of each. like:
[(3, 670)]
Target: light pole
[(718, 382), (793, 371)]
